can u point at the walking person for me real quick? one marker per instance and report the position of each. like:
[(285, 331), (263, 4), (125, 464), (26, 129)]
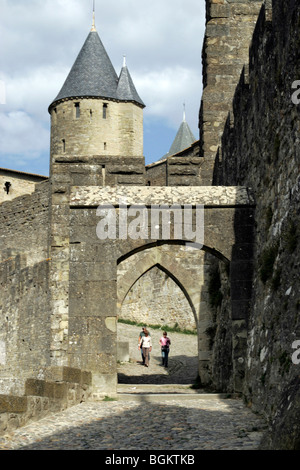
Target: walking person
[(146, 346), (142, 334), (165, 343)]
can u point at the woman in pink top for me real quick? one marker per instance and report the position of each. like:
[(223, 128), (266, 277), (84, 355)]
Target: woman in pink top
[(165, 348)]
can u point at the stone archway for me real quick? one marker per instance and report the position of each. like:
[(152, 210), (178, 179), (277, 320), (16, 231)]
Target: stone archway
[(189, 270), (90, 273)]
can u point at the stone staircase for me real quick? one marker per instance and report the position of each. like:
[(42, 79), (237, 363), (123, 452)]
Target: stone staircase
[(157, 393)]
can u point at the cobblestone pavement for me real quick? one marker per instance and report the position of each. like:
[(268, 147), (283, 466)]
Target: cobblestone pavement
[(141, 421), (172, 424)]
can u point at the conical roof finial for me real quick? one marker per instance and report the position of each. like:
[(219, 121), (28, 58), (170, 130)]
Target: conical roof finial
[(93, 25), (124, 60), (184, 116)]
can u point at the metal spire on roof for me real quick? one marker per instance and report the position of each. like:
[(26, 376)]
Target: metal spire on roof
[(93, 25), (124, 60), (184, 116)]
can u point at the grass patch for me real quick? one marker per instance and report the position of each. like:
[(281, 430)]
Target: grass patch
[(106, 398), (169, 329)]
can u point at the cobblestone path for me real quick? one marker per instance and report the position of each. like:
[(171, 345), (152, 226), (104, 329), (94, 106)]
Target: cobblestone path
[(143, 418), (183, 361)]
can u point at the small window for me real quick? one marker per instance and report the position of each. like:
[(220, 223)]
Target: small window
[(77, 110), (105, 106), (91, 115), (105, 146), (64, 145), (7, 186)]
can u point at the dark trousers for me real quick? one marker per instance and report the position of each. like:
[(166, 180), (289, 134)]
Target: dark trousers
[(165, 356)]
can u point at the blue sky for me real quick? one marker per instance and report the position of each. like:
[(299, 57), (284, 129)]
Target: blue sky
[(40, 40)]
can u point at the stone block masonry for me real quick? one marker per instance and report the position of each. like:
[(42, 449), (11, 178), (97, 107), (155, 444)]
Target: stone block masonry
[(68, 387), (229, 28), (24, 225), (260, 148), (24, 322), (104, 127)]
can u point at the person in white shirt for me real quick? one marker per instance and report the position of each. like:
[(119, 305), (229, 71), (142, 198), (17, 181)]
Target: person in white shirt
[(146, 345)]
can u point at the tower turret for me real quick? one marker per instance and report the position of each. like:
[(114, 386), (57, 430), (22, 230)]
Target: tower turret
[(96, 112)]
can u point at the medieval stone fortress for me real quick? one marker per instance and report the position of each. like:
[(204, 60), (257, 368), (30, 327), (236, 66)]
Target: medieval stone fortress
[(63, 288)]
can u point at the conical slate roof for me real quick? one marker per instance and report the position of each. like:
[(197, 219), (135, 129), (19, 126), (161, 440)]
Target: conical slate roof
[(93, 75), (184, 139), (126, 90)]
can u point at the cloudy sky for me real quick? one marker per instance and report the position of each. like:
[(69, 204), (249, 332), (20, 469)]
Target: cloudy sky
[(40, 40)]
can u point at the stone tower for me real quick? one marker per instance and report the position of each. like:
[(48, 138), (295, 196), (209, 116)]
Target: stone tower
[(96, 140), (96, 112)]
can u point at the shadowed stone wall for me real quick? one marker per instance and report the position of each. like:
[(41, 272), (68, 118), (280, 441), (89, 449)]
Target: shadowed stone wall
[(229, 28), (260, 149)]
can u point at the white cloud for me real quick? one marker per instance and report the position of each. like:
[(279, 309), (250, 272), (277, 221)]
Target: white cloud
[(20, 134), (174, 86)]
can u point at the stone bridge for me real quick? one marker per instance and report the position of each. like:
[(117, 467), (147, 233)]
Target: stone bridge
[(96, 292)]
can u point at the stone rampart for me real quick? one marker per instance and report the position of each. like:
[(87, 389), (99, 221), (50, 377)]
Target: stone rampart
[(24, 322), (24, 224), (229, 28), (260, 149)]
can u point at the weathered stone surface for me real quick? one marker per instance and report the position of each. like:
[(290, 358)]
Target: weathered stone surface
[(147, 196), (12, 404)]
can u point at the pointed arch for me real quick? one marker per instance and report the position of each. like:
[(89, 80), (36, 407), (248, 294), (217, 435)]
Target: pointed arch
[(126, 283)]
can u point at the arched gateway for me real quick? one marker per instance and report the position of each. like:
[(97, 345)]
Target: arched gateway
[(93, 290)]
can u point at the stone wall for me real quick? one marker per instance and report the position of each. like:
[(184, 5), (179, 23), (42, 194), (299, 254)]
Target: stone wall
[(24, 323), (229, 28), (61, 389), (19, 184), (24, 225), (260, 149), (182, 169)]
